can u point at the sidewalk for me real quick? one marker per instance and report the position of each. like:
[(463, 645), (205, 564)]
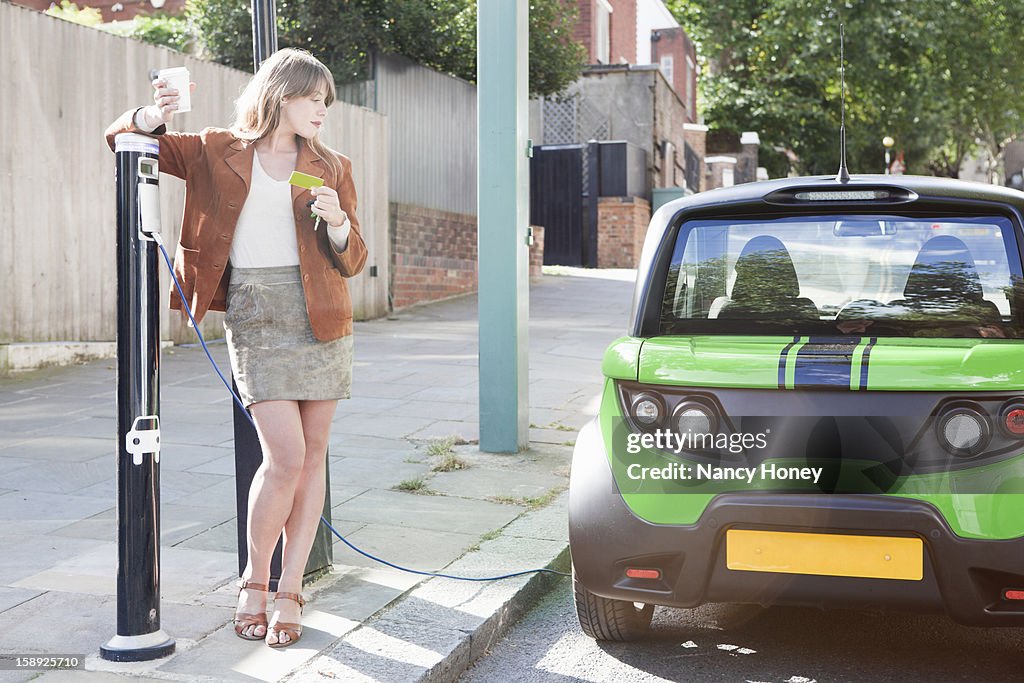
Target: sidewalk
[(414, 393)]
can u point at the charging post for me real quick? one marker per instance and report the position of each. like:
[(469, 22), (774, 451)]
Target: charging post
[(139, 636)]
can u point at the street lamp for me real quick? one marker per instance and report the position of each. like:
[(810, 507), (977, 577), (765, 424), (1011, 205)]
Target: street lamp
[(887, 142)]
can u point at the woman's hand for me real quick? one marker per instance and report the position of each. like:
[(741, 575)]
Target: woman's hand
[(327, 206), (166, 103)]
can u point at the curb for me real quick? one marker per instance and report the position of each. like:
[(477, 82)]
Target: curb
[(437, 631)]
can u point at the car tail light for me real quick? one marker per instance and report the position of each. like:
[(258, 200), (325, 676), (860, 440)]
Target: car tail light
[(963, 431), (647, 409), (694, 417), (1011, 419), (1011, 594), (638, 573)]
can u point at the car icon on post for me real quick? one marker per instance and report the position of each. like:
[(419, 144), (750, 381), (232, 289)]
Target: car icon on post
[(820, 402)]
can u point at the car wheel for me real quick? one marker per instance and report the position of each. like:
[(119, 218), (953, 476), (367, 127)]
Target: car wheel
[(607, 619)]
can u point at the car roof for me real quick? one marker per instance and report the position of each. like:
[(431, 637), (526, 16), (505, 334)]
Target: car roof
[(924, 186)]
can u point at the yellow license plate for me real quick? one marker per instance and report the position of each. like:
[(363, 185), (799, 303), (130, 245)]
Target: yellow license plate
[(872, 557)]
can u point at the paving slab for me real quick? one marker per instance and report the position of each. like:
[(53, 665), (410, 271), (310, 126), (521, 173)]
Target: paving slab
[(210, 459), (188, 574), (356, 595), (25, 555), (369, 424), (439, 391), (93, 572), (86, 622), (222, 538), (459, 412), (174, 484), (223, 656), (421, 549), (9, 464), (483, 482), (178, 523), (344, 492), (61, 477), (89, 425), (11, 597), (39, 512), (41, 412), (363, 444), (220, 496), (385, 390), (416, 511), (195, 433), (60, 448), (442, 429), (371, 474)]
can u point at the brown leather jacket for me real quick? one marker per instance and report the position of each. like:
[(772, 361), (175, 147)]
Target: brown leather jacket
[(217, 170)]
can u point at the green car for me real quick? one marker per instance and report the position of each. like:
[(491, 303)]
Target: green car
[(820, 403)]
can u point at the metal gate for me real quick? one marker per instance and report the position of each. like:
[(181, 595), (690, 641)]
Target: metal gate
[(557, 203)]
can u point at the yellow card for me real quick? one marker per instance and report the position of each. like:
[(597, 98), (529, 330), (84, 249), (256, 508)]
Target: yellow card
[(305, 180)]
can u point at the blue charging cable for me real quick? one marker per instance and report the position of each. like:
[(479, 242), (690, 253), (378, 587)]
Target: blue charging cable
[(170, 269)]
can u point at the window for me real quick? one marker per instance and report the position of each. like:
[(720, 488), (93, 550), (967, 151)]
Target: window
[(863, 275), (666, 68)]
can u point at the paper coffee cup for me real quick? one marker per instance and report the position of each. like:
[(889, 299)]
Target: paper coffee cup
[(177, 78)]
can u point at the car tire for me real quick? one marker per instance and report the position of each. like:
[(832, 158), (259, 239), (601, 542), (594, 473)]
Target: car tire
[(607, 619)]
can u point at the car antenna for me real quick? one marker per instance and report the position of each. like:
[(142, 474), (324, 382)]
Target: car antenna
[(844, 175)]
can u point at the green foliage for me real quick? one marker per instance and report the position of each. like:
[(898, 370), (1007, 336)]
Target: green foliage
[(223, 29), (162, 29), (436, 33), (69, 11), (934, 75)]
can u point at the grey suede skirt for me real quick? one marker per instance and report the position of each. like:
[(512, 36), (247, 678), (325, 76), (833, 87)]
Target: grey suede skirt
[(274, 355)]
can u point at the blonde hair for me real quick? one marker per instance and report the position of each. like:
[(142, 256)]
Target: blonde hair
[(287, 73)]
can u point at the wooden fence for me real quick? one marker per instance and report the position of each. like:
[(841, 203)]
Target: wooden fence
[(62, 85)]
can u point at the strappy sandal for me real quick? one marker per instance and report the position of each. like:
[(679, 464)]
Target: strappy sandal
[(293, 631), (244, 621)]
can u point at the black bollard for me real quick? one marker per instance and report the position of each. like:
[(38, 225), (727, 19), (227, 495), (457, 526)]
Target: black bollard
[(139, 636)]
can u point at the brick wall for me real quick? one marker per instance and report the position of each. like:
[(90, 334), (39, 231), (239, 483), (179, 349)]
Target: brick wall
[(583, 31), (622, 32), (696, 138), (669, 126), (537, 252), (621, 228), (674, 43), (433, 254)]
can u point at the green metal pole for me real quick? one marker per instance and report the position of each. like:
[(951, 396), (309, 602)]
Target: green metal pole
[(503, 187)]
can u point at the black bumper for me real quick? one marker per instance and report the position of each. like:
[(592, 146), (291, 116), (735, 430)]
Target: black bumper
[(965, 578)]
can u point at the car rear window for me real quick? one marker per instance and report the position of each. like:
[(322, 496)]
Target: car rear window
[(862, 275)]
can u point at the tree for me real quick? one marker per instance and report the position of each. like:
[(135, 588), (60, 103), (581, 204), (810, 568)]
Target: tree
[(934, 75), (437, 33), (69, 11)]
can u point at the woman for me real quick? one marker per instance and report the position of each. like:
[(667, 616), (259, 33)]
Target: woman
[(251, 247)]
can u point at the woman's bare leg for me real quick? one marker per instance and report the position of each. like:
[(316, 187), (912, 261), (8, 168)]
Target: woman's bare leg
[(301, 527), (279, 426)]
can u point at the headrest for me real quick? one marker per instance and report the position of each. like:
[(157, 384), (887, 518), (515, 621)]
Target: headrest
[(765, 272), (944, 272)]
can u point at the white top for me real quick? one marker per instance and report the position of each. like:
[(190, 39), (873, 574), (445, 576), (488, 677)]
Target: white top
[(337, 234), (265, 234)]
